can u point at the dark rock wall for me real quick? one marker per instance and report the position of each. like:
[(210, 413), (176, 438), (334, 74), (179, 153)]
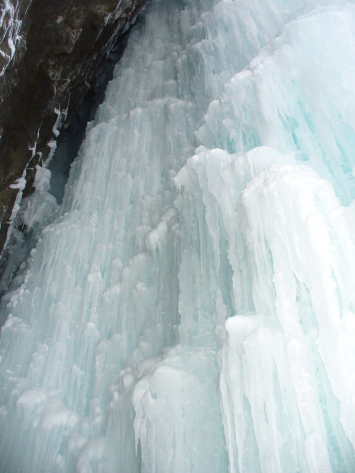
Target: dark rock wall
[(60, 47)]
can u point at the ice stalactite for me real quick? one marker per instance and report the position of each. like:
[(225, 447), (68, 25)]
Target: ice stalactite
[(192, 307)]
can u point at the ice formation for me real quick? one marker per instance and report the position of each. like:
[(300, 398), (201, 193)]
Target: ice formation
[(191, 308), (10, 26)]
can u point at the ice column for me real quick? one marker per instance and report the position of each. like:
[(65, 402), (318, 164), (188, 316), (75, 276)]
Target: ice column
[(191, 308)]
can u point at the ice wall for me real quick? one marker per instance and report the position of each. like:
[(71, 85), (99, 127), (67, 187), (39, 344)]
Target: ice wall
[(191, 309)]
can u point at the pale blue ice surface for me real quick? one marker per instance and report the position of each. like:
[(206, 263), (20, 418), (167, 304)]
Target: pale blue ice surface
[(192, 308)]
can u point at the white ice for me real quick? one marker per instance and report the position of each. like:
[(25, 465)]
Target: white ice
[(192, 308)]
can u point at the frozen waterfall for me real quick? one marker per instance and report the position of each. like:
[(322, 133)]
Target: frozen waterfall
[(191, 308)]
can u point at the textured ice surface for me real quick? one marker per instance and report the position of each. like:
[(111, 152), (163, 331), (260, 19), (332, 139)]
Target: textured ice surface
[(192, 308)]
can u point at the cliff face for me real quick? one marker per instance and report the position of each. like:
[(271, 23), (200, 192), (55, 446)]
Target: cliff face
[(50, 54)]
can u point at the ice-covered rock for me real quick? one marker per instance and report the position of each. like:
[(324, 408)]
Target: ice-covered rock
[(191, 309)]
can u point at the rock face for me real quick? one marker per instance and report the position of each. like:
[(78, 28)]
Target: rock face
[(50, 54)]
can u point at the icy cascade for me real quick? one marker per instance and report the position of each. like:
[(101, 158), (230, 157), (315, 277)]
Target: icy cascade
[(191, 310)]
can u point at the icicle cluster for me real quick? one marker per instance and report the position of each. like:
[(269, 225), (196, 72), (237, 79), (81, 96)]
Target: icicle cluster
[(192, 309)]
